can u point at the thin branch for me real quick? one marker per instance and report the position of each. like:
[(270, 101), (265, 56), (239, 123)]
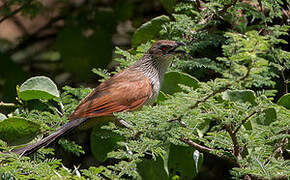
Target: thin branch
[(196, 146), (244, 121), (208, 150), (8, 104), (15, 11), (214, 93), (233, 135), (280, 147), (210, 95)]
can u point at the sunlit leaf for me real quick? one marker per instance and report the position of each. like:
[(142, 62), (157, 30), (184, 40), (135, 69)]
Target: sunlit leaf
[(171, 83), (148, 30), (240, 96), (285, 101), (39, 87)]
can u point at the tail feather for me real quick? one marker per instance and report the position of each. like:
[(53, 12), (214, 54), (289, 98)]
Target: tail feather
[(49, 139)]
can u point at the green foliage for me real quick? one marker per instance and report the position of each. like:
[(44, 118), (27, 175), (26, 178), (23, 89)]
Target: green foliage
[(240, 95), (173, 79), (219, 99), (102, 142), (171, 84), (149, 169), (71, 147), (18, 130), (285, 101), (184, 162), (39, 87), (148, 30)]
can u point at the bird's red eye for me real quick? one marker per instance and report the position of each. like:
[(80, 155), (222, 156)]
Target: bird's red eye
[(164, 48)]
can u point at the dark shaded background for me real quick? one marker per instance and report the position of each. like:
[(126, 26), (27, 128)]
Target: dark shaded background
[(64, 40)]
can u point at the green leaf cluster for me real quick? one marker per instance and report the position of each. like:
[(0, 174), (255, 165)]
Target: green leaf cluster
[(218, 101)]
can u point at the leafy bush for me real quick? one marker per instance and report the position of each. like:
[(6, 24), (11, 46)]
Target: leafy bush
[(235, 50)]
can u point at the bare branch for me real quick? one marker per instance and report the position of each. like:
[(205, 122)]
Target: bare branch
[(208, 150), (195, 145)]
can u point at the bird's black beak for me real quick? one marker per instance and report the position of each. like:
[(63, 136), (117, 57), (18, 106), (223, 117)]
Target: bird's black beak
[(176, 50)]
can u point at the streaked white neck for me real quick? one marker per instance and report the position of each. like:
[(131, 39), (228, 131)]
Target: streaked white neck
[(154, 69)]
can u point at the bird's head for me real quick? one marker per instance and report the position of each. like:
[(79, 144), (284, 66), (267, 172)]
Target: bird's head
[(165, 49)]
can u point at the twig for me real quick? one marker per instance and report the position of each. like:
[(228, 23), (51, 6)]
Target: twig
[(233, 135), (8, 104), (210, 95), (244, 121), (280, 147), (15, 11), (196, 146), (208, 150)]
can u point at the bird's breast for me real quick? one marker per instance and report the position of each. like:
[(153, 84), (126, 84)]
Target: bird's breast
[(156, 81)]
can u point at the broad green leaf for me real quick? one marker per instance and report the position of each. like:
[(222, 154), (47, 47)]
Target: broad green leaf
[(148, 30), (150, 169), (102, 142), (285, 101), (39, 87), (182, 161), (2, 117), (17, 131), (268, 116), (240, 96), (171, 83), (169, 5), (172, 79)]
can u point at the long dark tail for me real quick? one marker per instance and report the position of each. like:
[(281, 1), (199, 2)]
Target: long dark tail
[(49, 139)]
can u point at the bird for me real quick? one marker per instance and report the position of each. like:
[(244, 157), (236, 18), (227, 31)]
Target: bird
[(128, 90)]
